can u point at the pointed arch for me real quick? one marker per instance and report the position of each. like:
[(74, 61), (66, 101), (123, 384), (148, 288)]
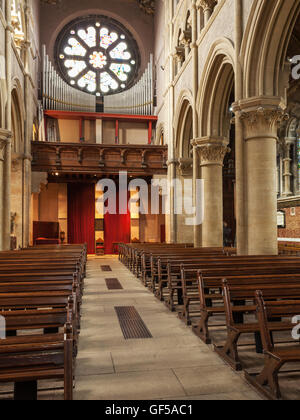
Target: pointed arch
[(183, 125), (265, 44), (18, 118), (217, 85), (1, 105)]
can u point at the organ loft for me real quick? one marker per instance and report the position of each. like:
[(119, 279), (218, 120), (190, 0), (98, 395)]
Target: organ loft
[(149, 201)]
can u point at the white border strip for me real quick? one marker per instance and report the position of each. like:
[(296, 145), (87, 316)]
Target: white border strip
[(288, 239)]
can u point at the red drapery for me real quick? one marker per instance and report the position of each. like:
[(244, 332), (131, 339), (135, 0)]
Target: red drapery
[(81, 215), (116, 229)]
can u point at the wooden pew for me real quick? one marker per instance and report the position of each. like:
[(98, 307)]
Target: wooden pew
[(198, 283), (149, 260), (212, 304), (39, 289), (276, 357), (169, 270), (25, 360), (236, 326), (223, 268)]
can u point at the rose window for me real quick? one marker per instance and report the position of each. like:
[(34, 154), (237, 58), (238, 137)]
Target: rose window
[(97, 55)]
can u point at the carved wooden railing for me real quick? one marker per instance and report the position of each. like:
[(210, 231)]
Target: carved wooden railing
[(99, 159)]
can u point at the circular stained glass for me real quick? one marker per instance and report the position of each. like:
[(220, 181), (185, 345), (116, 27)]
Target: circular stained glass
[(98, 55)]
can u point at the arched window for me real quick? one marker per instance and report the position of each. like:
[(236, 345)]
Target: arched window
[(98, 55)]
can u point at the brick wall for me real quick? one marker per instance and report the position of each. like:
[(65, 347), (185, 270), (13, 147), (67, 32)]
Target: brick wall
[(292, 229)]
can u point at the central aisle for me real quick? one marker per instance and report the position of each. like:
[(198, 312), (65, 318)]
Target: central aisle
[(174, 364)]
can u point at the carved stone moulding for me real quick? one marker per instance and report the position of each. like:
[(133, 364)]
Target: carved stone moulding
[(5, 138), (261, 116), (185, 166), (212, 151), (206, 4), (148, 6), (52, 2)]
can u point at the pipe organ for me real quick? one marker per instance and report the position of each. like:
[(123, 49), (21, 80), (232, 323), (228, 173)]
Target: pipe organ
[(137, 100), (59, 95)]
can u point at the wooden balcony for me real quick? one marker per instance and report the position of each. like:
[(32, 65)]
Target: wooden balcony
[(99, 159)]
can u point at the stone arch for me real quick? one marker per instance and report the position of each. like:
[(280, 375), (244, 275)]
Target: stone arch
[(184, 128), (183, 124), (264, 48), (160, 135), (218, 83), (17, 164), (18, 117), (1, 106)]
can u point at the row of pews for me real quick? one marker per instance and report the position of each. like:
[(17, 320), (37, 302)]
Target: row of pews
[(289, 248), (213, 289), (40, 298)]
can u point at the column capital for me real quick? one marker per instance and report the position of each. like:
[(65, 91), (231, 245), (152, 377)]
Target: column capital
[(186, 37), (260, 116), (185, 166), (206, 4), (2, 150), (5, 135), (5, 139), (290, 140), (179, 54), (212, 150), (172, 162)]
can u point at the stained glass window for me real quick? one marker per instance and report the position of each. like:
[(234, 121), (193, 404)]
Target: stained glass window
[(98, 55)]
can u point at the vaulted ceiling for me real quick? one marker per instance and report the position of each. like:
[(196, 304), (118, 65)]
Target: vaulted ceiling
[(147, 6)]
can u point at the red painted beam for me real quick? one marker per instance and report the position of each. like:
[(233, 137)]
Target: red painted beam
[(69, 115), (117, 132), (149, 132)]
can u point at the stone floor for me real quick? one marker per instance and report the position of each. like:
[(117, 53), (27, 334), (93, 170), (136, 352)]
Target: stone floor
[(174, 364)]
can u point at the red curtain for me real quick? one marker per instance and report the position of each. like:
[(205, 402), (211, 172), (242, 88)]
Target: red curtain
[(81, 215), (116, 229)]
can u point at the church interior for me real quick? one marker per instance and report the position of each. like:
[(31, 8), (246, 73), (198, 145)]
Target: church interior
[(149, 200)]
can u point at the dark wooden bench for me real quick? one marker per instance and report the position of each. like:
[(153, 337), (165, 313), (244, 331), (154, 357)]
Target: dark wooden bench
[(150, 259), (276, 357), (40, 288), (25, 360), (236, 326), (211, 299), (210, 285), (169, 271), (224, 268)]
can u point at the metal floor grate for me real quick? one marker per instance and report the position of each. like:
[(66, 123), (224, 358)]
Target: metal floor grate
[(106, 268), (132, 325), (113, 284)]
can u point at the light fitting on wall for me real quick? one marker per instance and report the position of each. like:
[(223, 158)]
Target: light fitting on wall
[(163, 68)]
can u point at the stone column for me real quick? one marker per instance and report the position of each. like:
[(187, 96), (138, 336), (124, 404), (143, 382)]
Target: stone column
[(208, 7), (196, 175), (186, 39), (27, 159), (212, 152), (7, 153), (287, 172), (260, 118), (200, 16), (4, 144), (179, 56), (172, 164), (196, 167)]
